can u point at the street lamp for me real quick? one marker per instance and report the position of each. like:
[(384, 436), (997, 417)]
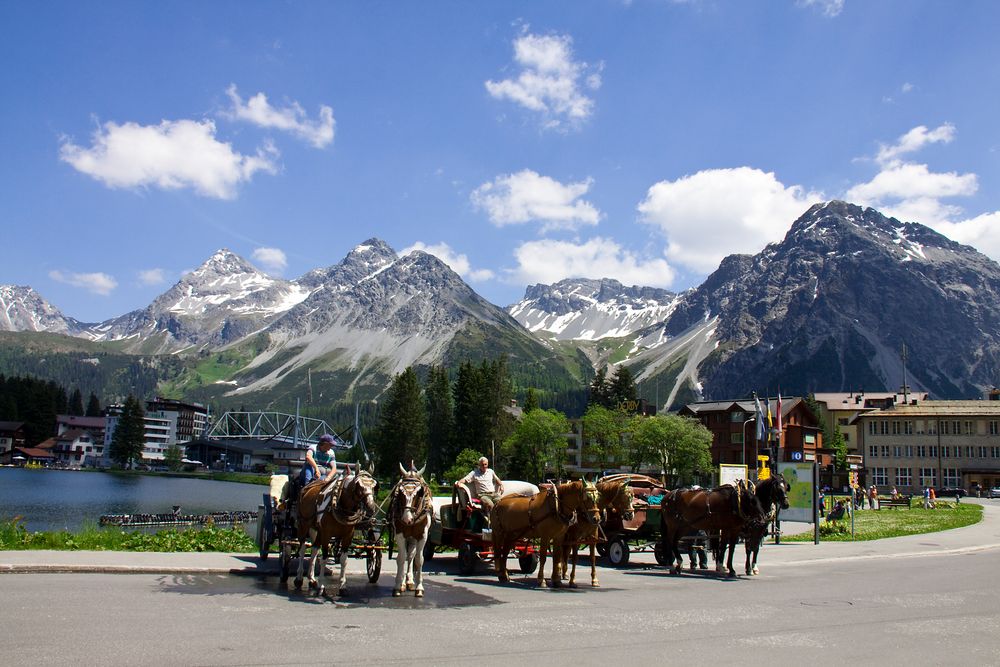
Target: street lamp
[(745, 422)]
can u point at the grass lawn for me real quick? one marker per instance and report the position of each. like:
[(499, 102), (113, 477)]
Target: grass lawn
[(14, 537), (877, 524)]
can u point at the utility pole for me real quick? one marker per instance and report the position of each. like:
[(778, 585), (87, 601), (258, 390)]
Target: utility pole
[(906, 390)]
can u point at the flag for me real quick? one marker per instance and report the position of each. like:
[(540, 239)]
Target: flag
[(770, 422), (759, 416), (779, 417)]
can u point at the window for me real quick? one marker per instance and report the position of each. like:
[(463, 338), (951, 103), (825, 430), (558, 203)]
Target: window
[(970, 428), (879, 477), (956, 427), (897, 451), (946, 452), (908, 427), (847, 437), (903, 477), (921, 451), (873, 451), (945, 428), (737, 417), (928, 477), (982, 452), (950, 477), (931, 427), (884, 426), (994, 427), (872, 428), (842, 421), (932, 451), (885, 451), (995, 452), (909, 451), (736, 438), (896, 427)]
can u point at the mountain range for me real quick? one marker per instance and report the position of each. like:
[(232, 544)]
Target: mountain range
[(828, 308)]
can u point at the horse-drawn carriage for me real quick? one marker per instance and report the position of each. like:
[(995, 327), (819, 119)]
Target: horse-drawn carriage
[(278, 524), (459, 523), (641, 532)]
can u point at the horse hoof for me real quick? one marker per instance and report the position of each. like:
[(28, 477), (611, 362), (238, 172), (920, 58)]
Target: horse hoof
[(396, 592), (542, 584), (571, 584), (409, 586), (298, 583), (595, 584), (756, 571), (419, 594)]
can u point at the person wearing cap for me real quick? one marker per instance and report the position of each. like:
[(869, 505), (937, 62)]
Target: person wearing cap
[(321, 463)]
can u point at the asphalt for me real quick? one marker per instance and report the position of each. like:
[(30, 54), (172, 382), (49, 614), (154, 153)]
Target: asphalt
[(980, 537)]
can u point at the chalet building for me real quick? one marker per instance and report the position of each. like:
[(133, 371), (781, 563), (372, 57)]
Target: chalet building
[(11, 436), (841, 409), (928, 443), (167, 423), (77, 448), (94, 425), (734, 432)]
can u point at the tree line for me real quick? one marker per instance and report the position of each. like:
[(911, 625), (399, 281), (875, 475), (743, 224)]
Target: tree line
[(37, 402)]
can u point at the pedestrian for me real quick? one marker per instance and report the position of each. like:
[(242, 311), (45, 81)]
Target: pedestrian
[(872, 497), (958, 497), (933, 497), (927, 497), (822, 504), (859, 498)]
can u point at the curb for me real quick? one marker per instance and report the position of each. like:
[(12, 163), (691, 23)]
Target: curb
[(130, 569)]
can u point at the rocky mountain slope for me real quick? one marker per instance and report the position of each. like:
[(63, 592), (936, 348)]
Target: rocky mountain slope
[(24, 309)]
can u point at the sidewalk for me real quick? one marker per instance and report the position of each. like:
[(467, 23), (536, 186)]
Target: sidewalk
[(982, 536)]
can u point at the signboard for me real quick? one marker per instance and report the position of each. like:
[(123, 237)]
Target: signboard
[(763, 470), (729, 473), (796, 456), (800, 491)]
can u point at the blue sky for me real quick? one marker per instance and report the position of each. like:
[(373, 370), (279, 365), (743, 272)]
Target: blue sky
[(522, 142)]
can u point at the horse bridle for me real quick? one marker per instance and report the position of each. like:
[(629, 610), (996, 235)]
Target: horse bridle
[(360, 512), (418, 513)]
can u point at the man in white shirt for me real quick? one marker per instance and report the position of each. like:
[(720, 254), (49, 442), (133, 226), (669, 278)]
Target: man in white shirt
[(484, 484)]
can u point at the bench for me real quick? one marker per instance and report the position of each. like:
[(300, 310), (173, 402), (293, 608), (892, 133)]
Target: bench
[(902, 501)]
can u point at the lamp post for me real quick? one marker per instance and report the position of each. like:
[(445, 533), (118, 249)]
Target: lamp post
[(745, 422)]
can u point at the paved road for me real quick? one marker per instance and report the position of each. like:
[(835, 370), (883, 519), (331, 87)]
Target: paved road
[(929, 599)]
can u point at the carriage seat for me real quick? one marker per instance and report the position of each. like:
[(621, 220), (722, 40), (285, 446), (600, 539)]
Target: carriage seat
[(278, 489)]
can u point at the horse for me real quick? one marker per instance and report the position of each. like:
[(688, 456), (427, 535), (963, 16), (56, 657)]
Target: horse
[(410, 513), (726, 509), (613, 494), (773, 496), (546, 516), (330, 511)]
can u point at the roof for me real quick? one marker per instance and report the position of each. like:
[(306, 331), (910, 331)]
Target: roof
[(788, 403), (10, 426), (856, 400), (938, 409), (81, 422), (35, 452), (73, 434)]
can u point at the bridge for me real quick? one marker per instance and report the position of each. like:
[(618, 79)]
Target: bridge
[(269, 426)]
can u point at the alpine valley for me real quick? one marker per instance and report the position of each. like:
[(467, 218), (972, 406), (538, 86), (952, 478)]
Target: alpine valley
[(828, 308)]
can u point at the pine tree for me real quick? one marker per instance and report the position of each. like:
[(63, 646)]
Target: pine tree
[(403, 427), (530, 401), (440, 421), (622, 387), (75, 407), (93, 406), (129, 437), (600, 390)]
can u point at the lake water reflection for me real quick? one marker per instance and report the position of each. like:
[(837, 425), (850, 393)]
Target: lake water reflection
[(64, 499)]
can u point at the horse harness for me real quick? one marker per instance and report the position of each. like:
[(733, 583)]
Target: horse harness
[(418, 512), (740, 487)]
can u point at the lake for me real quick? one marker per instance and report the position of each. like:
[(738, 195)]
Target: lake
[(65, 499)]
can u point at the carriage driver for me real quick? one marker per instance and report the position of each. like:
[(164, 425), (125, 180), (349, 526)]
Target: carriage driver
[(320, 461), (485, 485)]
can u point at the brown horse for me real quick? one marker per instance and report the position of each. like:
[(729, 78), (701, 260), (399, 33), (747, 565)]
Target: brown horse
[(544, 516), (410, 513), (614, 495), (329, 512), (725, 509)]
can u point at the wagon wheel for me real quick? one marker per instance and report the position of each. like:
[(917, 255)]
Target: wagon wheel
[(285, 561), (618, 552), (265, 529), (660, 553), (528, 562), (466, 559), (602, 549), (373, 560)]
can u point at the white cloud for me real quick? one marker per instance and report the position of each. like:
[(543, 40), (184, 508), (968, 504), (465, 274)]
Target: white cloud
[(171, 155), (549, 261), (829, 8), (458, 262), (98, 283), (907, 87), (527, 196), (981, 232), (259, 111), (152, 277), (550, 81), (272, 260), (913, 141), (718, 212)]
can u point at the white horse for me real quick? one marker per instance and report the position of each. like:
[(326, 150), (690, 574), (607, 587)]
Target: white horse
[(410, 514)]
